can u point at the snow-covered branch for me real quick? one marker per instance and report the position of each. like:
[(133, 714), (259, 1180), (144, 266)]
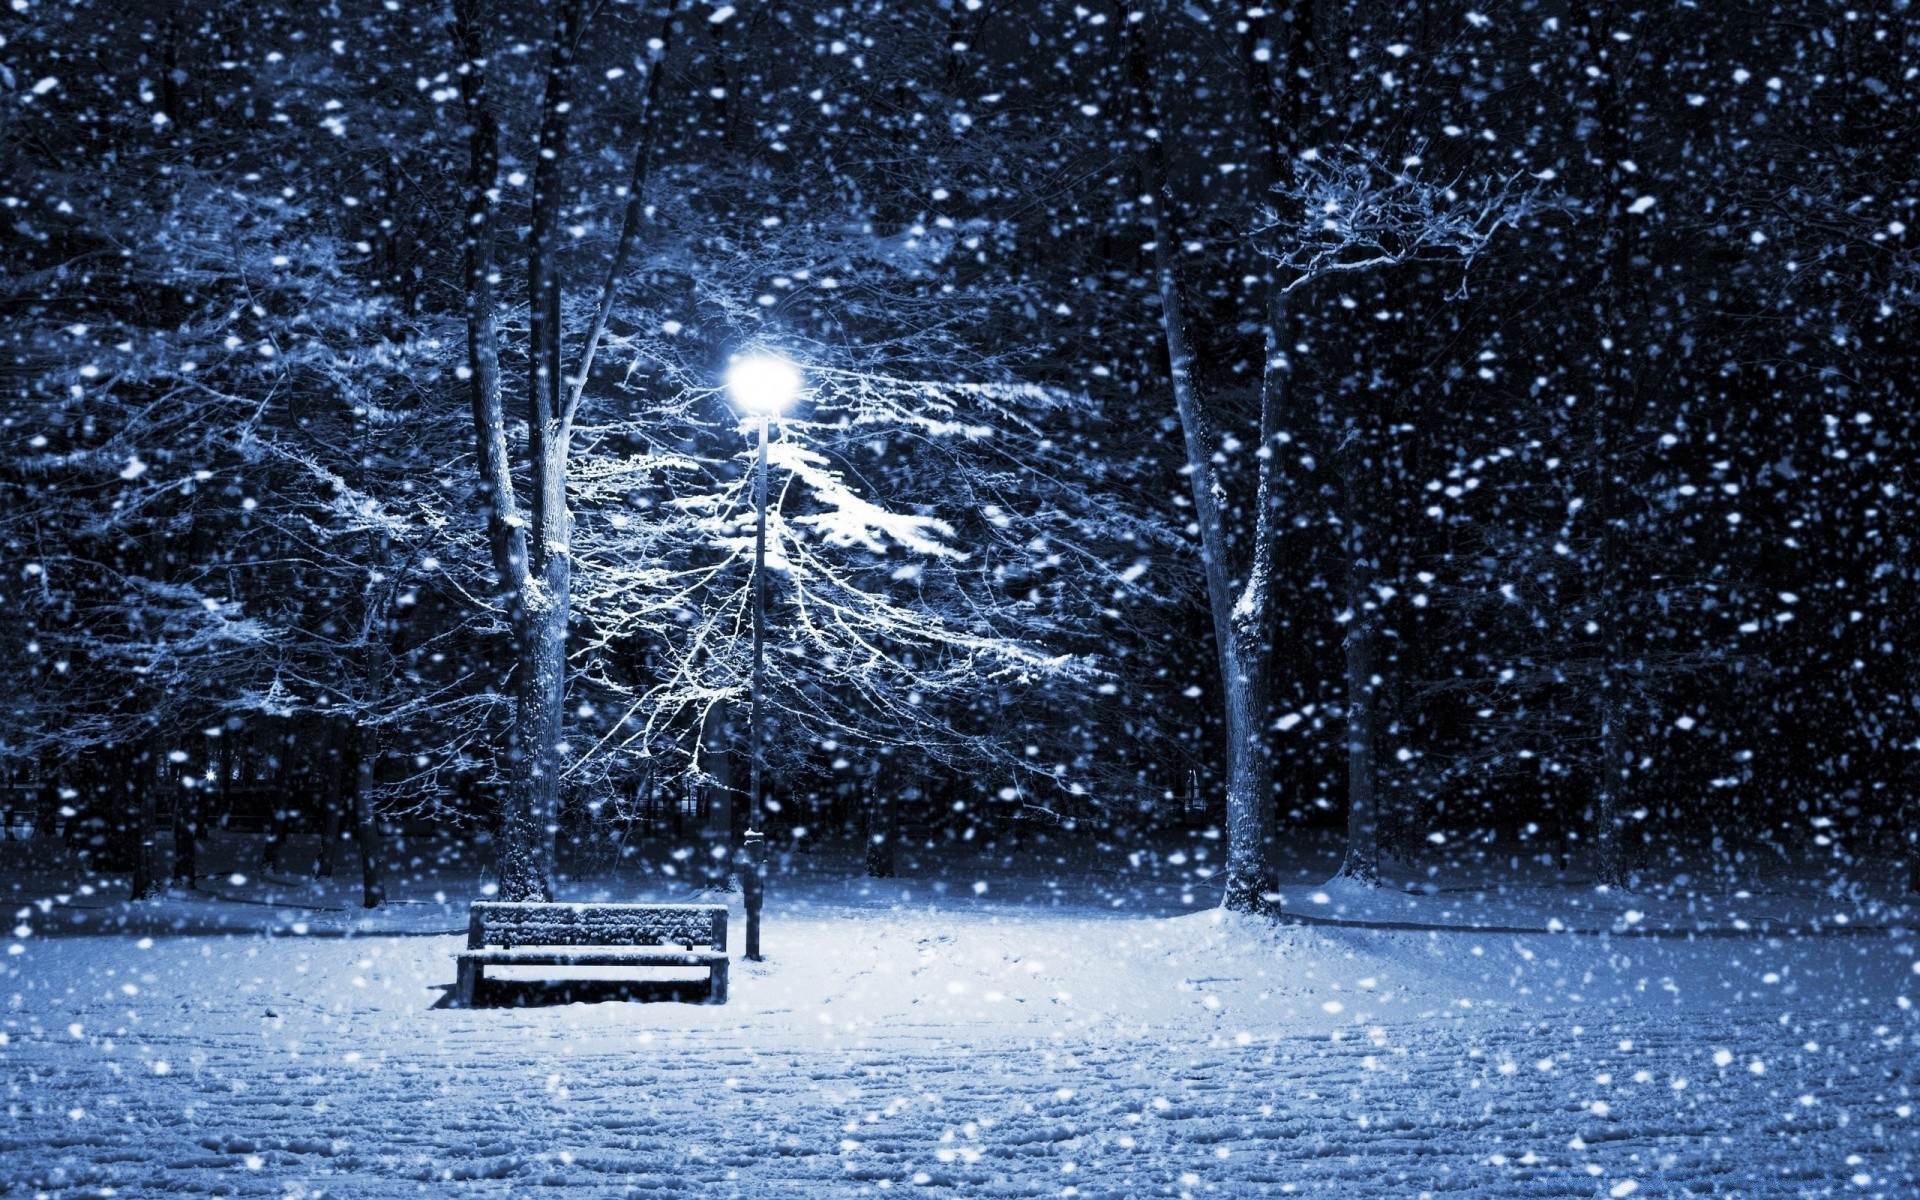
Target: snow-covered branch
[(1352, 212)]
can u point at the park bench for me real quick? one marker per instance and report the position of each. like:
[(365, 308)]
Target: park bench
[(525, 934)]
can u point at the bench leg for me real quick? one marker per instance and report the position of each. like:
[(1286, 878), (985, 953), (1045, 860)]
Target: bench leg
[(717, 984), (466, 984)]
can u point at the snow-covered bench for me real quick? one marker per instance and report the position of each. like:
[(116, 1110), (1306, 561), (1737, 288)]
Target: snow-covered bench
[(525, 934)]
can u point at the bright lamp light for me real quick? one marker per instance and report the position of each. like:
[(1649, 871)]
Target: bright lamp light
[(763, 383)]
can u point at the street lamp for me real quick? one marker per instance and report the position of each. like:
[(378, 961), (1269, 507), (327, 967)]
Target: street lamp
[(763, 385)]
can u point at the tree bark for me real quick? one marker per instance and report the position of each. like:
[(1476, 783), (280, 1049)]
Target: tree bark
[(532, 564), (1237, 626), (506, 529), (1281, 83), (545, 601), (529, 830), (630, 222)]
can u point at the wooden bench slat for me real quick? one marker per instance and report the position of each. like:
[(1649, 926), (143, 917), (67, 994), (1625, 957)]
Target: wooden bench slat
[(588, 956)]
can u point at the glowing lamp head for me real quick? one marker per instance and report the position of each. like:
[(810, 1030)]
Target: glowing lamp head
[(763, 384)]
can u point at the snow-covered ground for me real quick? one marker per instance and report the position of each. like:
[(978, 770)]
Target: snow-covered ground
[(992, 1044)]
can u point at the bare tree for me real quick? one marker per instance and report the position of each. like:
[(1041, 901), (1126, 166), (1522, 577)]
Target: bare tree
[(532, 546), (1239, 577), (1335, 215)]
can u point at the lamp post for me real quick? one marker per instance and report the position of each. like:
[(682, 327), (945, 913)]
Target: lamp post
[(763, 385)]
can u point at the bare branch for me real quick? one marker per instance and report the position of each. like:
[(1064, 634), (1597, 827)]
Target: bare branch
[(1353, 213)]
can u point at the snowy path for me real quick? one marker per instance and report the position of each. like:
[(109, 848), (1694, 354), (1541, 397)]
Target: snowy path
[(989, 1058)]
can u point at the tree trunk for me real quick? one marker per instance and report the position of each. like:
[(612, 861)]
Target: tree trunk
[(533, 553), (366, 824), (1362, 692), (506, 531), (1363, 814), (716, 762), (332, 789), (1612, 408), (223, 756), (880, 833), (1238, 605), (1238, 625), (276, 836), (186, 835), (329, 833), (524, 818), (139, 791), (530, 828), (1912, 832), (1609, 781)]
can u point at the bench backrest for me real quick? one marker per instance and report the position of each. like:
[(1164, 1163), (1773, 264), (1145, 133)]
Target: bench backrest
[(508, 924)]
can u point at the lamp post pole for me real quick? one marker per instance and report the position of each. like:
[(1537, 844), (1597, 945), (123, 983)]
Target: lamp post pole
[(761, 384), (753, 884)]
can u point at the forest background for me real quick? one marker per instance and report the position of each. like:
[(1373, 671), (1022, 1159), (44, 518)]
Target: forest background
[(1442, 420)]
